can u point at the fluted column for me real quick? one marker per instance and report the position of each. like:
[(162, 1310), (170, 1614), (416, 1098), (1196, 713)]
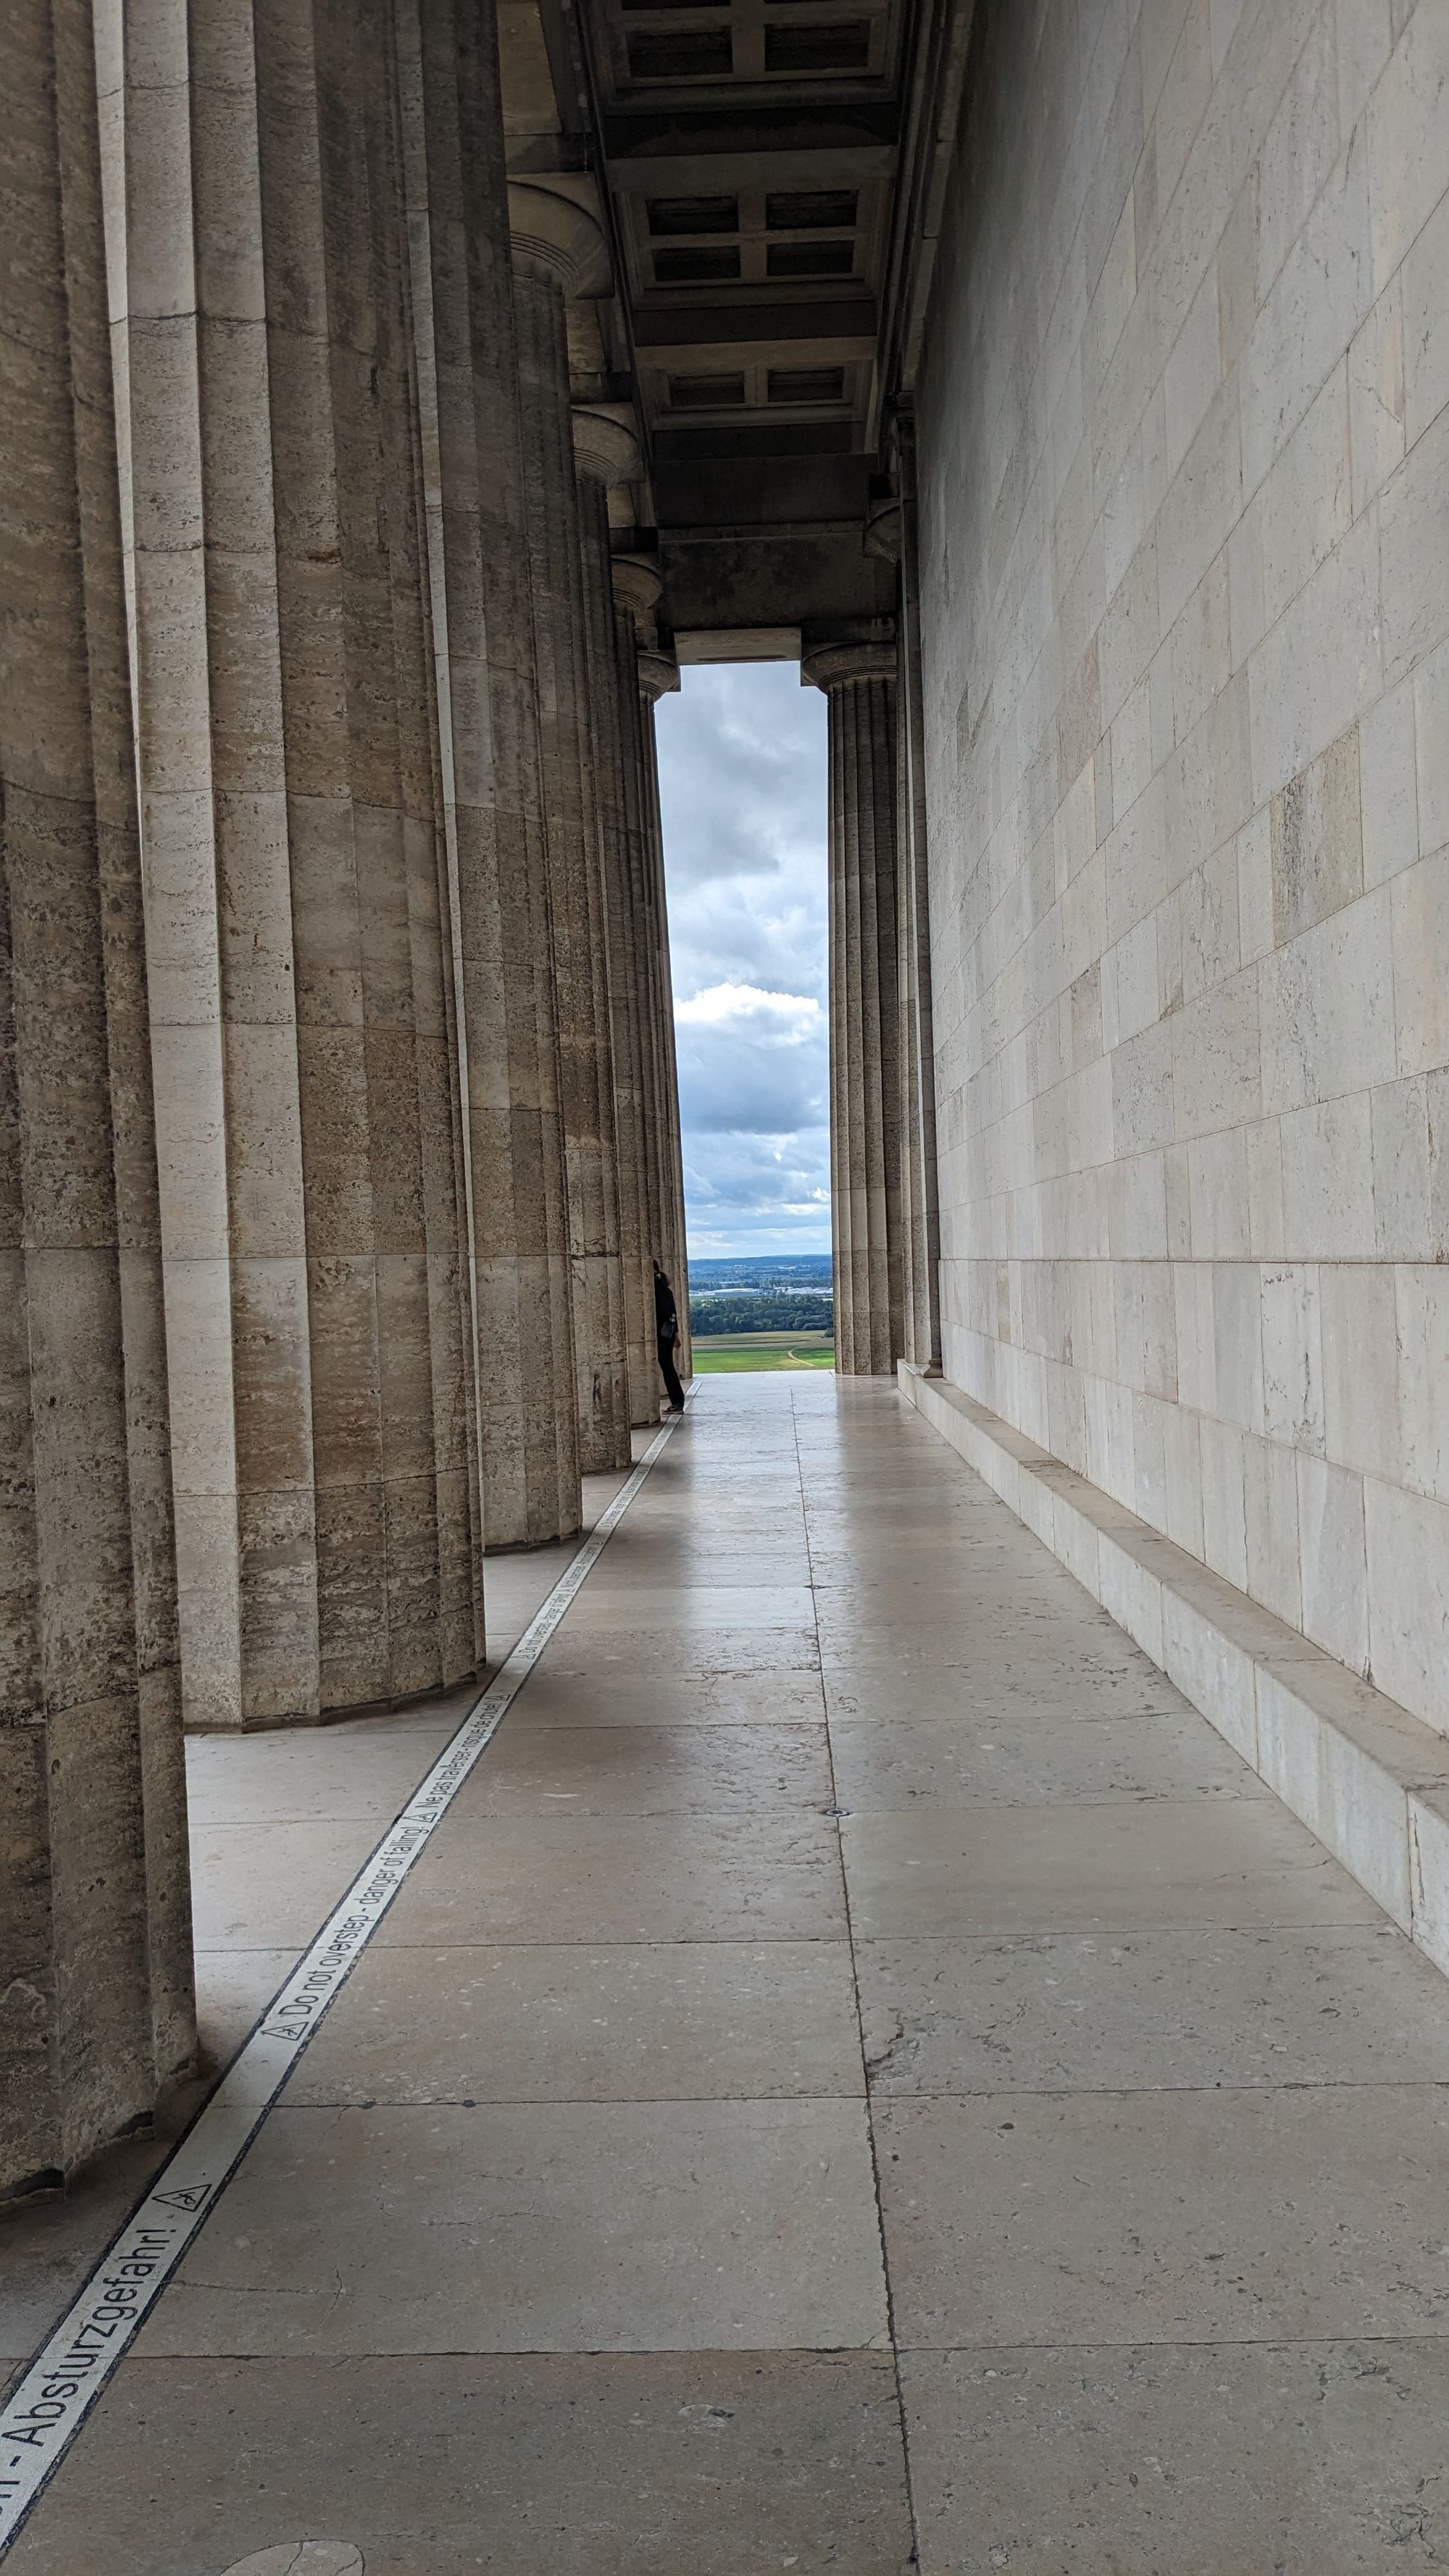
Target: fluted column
[(891, 534), (492, 768), (860, 683), (558, 252), (298, 925), (96, 2007), (607, 453), (658, 676), (636, 587)]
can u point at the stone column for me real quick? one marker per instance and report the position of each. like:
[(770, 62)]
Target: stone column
[(96, 2007), (396, 1543), (658, 676), (190, 349), (559, 251), (297, 917), (636, 587), (891, 534), (860, 682), (607, 453), (492, 767)]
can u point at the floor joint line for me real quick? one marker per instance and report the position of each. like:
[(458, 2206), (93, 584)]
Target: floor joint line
[(865, 2097)]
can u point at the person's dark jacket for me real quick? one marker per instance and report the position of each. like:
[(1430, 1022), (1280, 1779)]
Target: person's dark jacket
[(666, 1313)]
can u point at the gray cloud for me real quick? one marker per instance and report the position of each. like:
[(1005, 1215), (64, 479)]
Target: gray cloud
[(747, 745), (751, 1061), (742, 764)]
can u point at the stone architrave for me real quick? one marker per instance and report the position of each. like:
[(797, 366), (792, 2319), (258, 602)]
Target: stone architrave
[(658, 677), (860, 682), (559, 252), (297, 920), (492, 769), (96, 2001), (606, 452)]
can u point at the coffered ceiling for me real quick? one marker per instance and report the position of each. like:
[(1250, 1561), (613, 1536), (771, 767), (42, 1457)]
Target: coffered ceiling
[(748, 157)]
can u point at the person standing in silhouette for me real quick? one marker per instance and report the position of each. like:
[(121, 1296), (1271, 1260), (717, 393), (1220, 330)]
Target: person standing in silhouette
[(666, 1326)]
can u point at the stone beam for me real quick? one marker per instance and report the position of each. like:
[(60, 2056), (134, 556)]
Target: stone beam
[(733, 169), (773, 577)]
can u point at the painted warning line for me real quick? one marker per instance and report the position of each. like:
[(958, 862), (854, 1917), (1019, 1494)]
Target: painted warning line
[(46, 2411)]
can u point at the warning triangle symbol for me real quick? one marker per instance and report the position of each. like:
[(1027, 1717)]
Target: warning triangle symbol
[(190, 2198)]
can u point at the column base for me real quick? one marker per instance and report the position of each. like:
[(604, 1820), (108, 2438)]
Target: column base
[(345, 1715)]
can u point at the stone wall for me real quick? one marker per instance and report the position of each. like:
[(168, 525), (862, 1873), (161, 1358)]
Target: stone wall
[(1184, 491)]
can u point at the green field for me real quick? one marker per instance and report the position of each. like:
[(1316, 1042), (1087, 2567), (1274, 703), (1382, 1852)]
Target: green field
[(735, 1351)]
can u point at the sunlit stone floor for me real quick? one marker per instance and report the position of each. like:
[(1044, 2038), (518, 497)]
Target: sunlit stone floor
[(862, 2068)]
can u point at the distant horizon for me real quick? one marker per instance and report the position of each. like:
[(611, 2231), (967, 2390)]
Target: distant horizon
[(785, 1250), (759, 1260), (759, 1252)]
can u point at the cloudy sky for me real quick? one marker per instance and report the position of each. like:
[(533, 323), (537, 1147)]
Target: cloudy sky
[(742, 763)]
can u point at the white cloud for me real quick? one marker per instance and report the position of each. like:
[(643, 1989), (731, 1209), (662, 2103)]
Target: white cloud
[(742, 761), (796, 1016)]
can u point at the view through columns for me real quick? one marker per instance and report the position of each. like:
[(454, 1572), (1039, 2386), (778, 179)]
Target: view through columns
[(746, 811), (743, 775)]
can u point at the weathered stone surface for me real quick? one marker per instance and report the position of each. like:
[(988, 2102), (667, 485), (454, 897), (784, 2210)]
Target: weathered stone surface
[(96, 2003), (1179, 422), (557, 245), (298, 916), (493, 771)]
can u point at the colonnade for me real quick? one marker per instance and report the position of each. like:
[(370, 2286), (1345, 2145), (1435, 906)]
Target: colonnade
[(337, 1082)]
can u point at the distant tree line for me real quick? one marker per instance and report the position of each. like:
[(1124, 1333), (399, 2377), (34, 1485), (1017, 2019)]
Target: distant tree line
[(804, 1312)]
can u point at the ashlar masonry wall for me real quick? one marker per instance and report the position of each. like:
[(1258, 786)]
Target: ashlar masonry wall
[(1184, 470)]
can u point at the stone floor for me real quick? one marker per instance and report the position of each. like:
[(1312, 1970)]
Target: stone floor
[(862, 2077)]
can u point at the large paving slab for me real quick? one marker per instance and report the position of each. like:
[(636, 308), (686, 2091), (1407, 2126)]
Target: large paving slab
[(1062, 2012), (688, 2020), (1175, 2216), (587, 1695), (527, 2227), (625, 1878), (937, 1763), (1091, 1866), (268, 1885), (1308, 2459), (651, 1771), (615, 2465), (676, 1647), (992, 1683), (361, 1771)]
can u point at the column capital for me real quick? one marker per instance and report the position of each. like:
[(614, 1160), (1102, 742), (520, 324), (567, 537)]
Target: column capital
[(883, 528), (658, 673), (556, 239), (605, 446), (835, 666), (637, 587)]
